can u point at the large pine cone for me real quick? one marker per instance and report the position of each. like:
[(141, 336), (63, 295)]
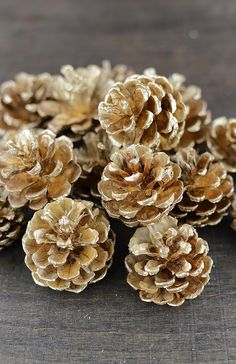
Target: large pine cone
[(93, 155), (138, 186), (10, 221), (208, 189), (221, 141), (76, 95), (145, 110), (68, 245), (168, 263), (36, 167), (198, 116), (19, 100)]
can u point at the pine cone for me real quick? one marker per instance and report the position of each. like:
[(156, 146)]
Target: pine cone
[(145, 110), (19, 100), (208, 189), (138, 186), (221, 141), (168, 263), (36, 167), (76, 95), (10, 221), (198, 116), (68, 245), (233, 213), (93, 155)]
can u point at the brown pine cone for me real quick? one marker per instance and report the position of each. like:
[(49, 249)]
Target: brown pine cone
[(208, 189), (68, 245), (198, 115), (93, 155), (10, 221), (221, 141), (168, 263), (138, 186), (233, 213), (19, 100), (76, 95), (36, 167), (143, 109)]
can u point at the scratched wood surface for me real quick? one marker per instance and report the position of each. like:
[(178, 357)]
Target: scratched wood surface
[(107, 323)]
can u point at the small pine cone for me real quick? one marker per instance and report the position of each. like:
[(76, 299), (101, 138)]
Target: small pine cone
[(233, 213), (117, 74), (36, 167), (198, 116), (208, 189), (145, 110), (93, 155), (76, 95), (168, 263), (19, 100), (10, 221), (221, 141), (68, 245), (138, 185)]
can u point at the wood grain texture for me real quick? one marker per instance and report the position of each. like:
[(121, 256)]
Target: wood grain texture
[(107, 323)]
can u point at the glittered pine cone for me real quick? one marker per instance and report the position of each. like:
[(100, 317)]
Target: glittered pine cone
[(93, 155), (76, 94), (168, 263), (10, 221), (221, 141), (208, 189), (138, 185), (68, 245), (198, 115), (143, 109), (36, 167), (233, 213), (19, 100)]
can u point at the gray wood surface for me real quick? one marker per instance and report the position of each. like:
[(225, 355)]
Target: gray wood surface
[(107, 323)]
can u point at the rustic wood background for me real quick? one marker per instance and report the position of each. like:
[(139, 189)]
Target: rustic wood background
[(107, 323)]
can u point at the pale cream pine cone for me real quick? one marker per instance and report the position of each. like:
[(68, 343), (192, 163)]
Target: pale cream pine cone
[(76, 95), (68, 245), (168, 263), (208, 189), (36, 167), (138, 185), (10, 221), (19, 99), (198, 115), (143, 109), (221, 141)]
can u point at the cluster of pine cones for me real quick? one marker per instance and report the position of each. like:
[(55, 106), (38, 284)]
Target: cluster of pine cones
[(98, 141)]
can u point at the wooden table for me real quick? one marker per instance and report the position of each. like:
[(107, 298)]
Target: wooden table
[(107, 323)]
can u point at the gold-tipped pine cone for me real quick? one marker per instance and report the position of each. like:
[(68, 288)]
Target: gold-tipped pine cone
[(221, 141), (93, 155), (68, 245), (19, 99), (139, 185), (10, 221), (73, 108), (168, 263), (36, 167), (143, 109), (208, 189), (198, 116), (233, 213)]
